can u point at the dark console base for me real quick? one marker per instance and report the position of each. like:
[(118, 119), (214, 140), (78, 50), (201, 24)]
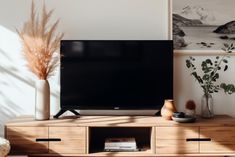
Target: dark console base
[(62, 111)]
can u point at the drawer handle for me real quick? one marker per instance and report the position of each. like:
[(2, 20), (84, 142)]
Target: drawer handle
[(48, 139), (198, 139)]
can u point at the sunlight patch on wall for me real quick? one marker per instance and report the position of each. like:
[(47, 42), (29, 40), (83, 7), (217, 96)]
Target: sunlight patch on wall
[(9, 44)]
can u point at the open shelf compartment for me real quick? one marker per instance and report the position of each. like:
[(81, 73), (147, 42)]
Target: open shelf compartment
[(142, 135)]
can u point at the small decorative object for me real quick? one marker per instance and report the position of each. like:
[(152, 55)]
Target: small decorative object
[(181, 117), (42, 97), (210, 70), (207, 107), (168, 109), (4, 147), (40, 45), (179, 114), (190, 108), (123, 144)]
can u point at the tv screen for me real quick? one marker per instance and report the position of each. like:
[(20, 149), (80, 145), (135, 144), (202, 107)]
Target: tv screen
[(116, 74)]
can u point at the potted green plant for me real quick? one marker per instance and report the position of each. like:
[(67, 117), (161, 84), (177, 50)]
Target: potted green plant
[(210, 73)]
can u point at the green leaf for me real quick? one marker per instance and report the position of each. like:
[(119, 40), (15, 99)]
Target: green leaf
[(223, 85), (230, 88), (224, 49), (188, 63), (198, 78), (212, 73), (194, 74), (226, 45), (226, 67), (215, 77), (208, 61), (206, 77), (225, 60), (207, 70), (192, 58), (203, 64)]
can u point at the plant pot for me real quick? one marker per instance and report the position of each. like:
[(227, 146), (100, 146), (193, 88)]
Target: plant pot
[(168, 109), (207, 106), (42, 100)]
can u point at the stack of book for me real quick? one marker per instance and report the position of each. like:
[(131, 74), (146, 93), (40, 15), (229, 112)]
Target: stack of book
[(120, 144)]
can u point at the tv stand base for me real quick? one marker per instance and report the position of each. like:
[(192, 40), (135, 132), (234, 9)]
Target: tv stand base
[(119, 112), (62, 111)]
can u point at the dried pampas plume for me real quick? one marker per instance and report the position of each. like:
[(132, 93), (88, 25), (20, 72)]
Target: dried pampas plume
[(40, 44)]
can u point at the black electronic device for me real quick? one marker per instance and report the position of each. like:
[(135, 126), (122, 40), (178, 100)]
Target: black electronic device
[(115, 74)]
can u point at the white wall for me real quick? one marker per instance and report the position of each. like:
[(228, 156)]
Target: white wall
[(89, 19)]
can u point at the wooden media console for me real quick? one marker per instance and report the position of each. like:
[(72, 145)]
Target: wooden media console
[(84, 136)]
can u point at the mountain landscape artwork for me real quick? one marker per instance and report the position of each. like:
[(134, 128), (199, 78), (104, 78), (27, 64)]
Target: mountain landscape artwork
[(203, 24)]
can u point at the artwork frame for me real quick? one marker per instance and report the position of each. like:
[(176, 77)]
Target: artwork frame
[(216, 44)]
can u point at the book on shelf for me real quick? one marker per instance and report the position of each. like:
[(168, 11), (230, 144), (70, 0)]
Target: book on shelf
[(120, 144)]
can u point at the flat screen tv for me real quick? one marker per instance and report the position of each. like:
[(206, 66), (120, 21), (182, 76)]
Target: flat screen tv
[(115, 74)]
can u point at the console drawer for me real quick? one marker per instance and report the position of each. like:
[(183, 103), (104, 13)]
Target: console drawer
[(177, 133), (222, 139), (23, 140), (171, 140), (72, 140), (176, 147)]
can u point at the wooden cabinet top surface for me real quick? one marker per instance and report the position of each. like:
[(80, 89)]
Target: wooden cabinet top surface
[(116, 121)]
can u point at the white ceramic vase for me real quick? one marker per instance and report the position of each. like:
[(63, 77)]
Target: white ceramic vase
[(42, 100)]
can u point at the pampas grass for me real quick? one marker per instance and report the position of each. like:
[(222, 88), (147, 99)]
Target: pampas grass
[(40, 44)]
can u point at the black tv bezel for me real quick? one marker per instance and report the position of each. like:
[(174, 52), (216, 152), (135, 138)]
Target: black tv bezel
[(90, 107)]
